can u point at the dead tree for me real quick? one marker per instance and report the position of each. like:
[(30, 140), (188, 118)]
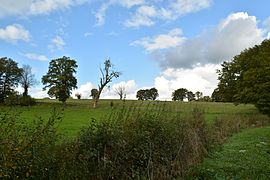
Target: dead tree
[(107, 74)]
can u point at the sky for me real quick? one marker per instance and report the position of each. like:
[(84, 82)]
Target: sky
[(166, 44)]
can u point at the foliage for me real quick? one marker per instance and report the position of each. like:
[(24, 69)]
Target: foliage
[(94, 93), (179, 94), (28, 151), (198, 95), (60, 79), (190, 96), (9, 77), (27, 79), (147, 94), (107, 75), (246, 79)]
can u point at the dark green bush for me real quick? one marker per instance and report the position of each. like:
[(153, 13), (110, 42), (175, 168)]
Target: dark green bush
[(21, 100)]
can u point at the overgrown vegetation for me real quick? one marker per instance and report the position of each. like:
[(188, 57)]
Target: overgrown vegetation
[(130, 143)]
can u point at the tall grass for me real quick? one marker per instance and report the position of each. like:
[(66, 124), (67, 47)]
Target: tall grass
[(129, 143)]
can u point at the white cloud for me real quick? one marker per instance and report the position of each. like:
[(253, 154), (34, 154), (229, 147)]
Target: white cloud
[(57, 43), (14, 33), (235, 33), (203, 79), (266, 23), (36, 57), (130, 3), (162, 41), (181, 7), (142, 17), (34, 7), (108, 92), (84, 90)]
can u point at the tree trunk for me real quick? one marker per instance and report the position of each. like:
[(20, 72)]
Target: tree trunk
[(25, 93)]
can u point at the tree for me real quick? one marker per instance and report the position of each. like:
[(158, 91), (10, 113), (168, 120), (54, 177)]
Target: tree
[(94, 93), (10, 75), (147, 94), (120, 90), (60, 79), (246, 78), (107, 74), (198, 95), (78, 95), (179, 94), (216, 95), (27, 79), (153, 93), (190, 96)]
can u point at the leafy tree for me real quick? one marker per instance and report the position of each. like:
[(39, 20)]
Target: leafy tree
[(179, 94), (10, 75), (198, 95), (60, 79), (216, 95), (190, 96), (206, 99), (246, 79), (147, 94), (153, 93), (94, 93), (107, 74), (120, 90), (27, 79)]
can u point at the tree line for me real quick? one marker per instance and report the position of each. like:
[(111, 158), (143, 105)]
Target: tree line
[(244, 79)]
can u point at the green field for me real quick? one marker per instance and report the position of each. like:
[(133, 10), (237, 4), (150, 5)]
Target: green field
[(79, 113)]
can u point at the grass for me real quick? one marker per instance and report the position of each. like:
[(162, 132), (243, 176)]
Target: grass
[(245, 156), (79, 113)]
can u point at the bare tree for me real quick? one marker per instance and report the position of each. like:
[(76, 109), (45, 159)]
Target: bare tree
[(107, 75), (120, 90), (27, 79)]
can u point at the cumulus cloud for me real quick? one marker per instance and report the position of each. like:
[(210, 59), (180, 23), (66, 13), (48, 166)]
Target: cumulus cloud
[(36, 57), (108, 92), (203, 79), (57, 43), (33, 7), (235, 33), (84, 90), (14, 33), (162, 41)]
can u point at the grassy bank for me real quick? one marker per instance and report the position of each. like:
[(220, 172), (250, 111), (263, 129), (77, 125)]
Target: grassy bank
[(245, 156)]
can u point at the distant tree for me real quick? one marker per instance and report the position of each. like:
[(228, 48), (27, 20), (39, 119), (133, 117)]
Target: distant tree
[(94, 93), (206, 99), (190, 96), (198, 95), (153, 93), (179, 94), (140, 94), (120, 90), (60, 78), (78, 95), (147, 94), (27, 79), (107, 74), (10, 75)]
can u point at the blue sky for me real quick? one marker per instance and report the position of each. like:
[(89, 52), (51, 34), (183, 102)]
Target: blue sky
[(167, 44)]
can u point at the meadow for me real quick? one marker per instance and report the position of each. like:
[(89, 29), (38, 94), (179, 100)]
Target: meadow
[(119, 139), (77, 114)]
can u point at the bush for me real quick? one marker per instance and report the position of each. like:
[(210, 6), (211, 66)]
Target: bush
[(28, 151), (139, 144)]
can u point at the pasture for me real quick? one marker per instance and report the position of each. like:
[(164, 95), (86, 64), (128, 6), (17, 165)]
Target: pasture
[(77, 114), (118, 139)]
